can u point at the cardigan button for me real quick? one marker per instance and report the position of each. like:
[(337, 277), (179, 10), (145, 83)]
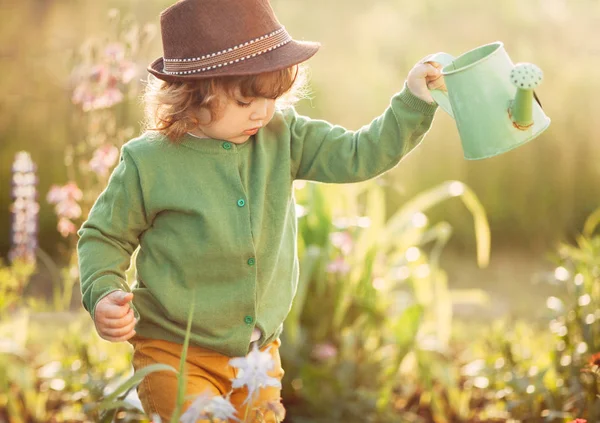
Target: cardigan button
[(248, 320), (241, 202), (251, 261), (227, 145)]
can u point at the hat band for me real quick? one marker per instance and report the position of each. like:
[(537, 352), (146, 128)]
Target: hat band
[(228, 56)]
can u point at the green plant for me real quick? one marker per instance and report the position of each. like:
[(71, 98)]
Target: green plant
[(54, 368), (13, 280), (371, 298), (540, 375)]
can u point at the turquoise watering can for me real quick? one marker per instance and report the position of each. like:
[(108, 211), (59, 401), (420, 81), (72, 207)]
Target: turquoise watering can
[(491, 100)]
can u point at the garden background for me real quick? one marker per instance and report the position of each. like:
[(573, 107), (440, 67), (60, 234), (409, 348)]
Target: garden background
[(422, 333)]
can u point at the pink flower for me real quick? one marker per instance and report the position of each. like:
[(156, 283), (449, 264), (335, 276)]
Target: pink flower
[(58, 194), (109, 98), (324, 352), (73, 191), (128, 71), (99, 74), (104, 158), (55, 195), (338, 266), (114, 51), (342, 240), (83, 95), (66, 227), (66, 207)]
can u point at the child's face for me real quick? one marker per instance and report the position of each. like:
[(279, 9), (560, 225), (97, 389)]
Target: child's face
[(238, 119)]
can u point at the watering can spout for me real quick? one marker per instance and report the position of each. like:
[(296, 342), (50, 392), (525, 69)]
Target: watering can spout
[(526, 77)]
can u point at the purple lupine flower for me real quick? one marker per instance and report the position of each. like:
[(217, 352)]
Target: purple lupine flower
[(24, 209)]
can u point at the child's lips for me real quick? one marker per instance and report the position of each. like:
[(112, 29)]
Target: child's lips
[(252, 131)]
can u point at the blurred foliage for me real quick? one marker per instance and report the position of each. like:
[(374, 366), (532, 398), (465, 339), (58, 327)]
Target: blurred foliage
[(13, 280), (549, 374), (368, 337), (54, 368)]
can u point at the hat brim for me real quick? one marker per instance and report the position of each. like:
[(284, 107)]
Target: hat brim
[(291, 54)]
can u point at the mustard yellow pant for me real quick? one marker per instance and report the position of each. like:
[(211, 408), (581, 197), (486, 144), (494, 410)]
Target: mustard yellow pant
[(206, 370)]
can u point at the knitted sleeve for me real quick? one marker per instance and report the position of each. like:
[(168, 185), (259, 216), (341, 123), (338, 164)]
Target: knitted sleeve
[(111, 234), (329, 153)]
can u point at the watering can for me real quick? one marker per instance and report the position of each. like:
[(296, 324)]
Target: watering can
[(491, 100)]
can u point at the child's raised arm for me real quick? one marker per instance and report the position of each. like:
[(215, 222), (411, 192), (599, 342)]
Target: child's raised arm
[(328, 153)]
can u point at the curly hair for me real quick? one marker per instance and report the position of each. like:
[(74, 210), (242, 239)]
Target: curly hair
[(171, 107)]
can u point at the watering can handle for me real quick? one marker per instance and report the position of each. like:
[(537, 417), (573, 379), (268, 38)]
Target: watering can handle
[(441, 97)]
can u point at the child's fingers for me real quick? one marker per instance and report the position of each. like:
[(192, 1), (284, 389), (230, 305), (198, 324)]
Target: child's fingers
[(436, 65), (112, 311), (119, 338), (434, 78), (437, 84), (431, 70), (117, 323), (424, 70), (119, 297), (118, 332)]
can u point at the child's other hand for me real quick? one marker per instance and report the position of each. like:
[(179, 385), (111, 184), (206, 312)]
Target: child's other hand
[(114, 318), (425, 76)]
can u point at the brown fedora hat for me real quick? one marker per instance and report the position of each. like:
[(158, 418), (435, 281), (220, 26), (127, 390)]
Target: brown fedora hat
[(208, 38)]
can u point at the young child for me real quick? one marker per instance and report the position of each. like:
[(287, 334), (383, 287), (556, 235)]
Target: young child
[(206, 193)]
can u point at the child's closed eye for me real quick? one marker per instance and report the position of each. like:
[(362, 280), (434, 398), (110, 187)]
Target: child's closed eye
[(244, 103)]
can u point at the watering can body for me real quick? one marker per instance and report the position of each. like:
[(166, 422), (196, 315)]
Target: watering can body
[(494, 111)]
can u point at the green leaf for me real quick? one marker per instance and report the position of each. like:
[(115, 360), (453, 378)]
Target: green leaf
[(402, 219), (182, 377), (591, 223), (307, 264), (110, 411), (133, 381), (407, 326)]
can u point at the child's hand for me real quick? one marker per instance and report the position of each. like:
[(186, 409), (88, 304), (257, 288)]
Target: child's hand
[(425, 76), (114, 318)]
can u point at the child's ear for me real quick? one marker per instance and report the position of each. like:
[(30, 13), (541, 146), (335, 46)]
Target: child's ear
[(204, 116)]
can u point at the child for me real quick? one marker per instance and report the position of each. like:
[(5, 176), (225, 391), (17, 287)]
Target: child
[(206, 194)]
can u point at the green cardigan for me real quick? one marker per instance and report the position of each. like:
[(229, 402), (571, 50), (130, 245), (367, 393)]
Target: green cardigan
[(216, 221)]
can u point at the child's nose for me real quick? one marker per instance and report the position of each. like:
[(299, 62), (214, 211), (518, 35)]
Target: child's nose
[(261, 109)]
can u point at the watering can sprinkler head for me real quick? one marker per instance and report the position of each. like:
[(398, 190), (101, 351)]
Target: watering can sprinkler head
[(526, 77)]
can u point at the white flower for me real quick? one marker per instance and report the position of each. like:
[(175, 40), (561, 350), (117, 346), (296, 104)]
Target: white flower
[(208, 407), (220, 409), (253, 371), (196, 409)]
